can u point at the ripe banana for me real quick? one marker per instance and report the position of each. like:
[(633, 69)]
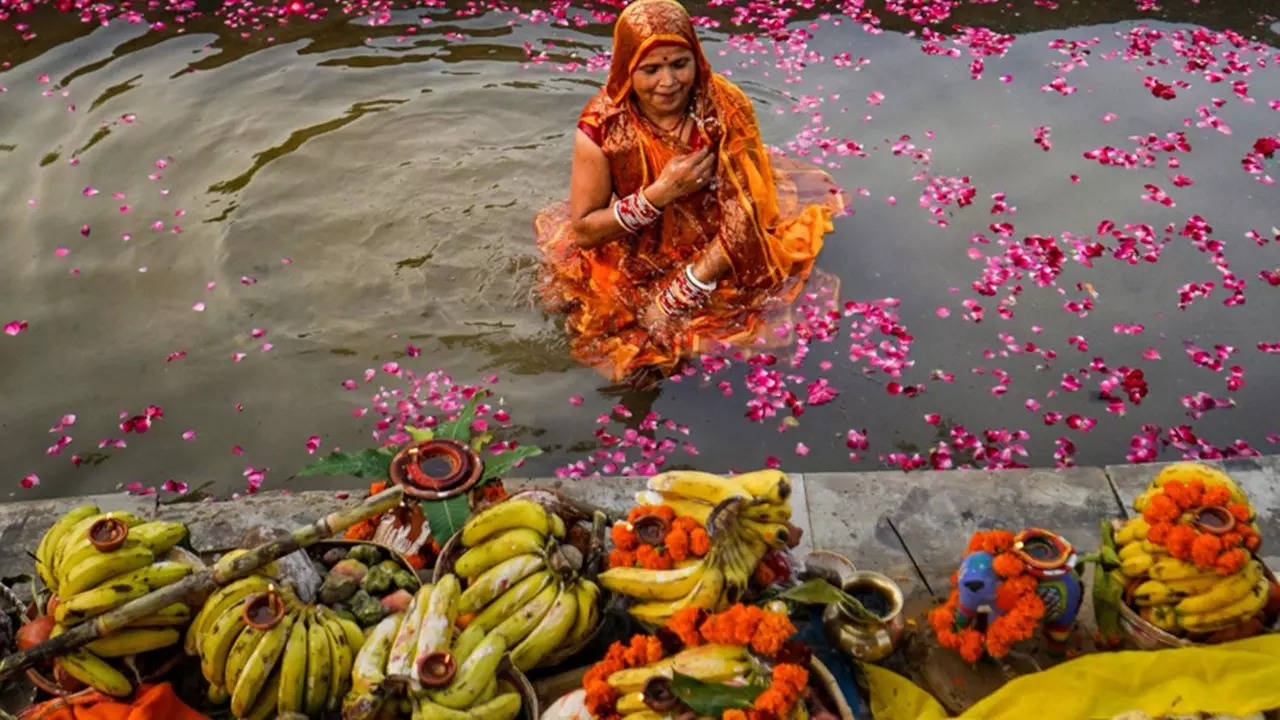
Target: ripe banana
[(1236, 612), (157, 536), (223, 598), (769, 485), (238, 658), (768, 513), (132, 641), (708, 663), (319, 667), (588, 611), (467, 642), (1137, 565), (259, 666), (646, 584), (340, 671), (492, 582), (1162, 616), (1194, 585), (706, 594), (514, 629), (215, 644), (517, 541), (293, 668), (53, 538), (94, 672), (506, 515), (549, 633), (1232, 588), (473, 675), (401, 659), (265, 706), (100, 566), (437, 623), (631, 703), (775, 535), (176, 614), (511, 600), (80, 530), (706, 487), (1210, 476), (1170, 568), (1154, 592), (369, 669), (118, 590), (683, 506), (1135, 529)]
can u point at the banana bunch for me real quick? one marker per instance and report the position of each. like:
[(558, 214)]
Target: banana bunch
[(1188, 471), (746, 517), (87, 582), (523, 583), (449, 673), (711, 664), (1178, 597), (300, 664)]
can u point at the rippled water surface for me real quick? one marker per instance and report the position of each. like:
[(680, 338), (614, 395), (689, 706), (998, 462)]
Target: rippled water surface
[(351, 189)]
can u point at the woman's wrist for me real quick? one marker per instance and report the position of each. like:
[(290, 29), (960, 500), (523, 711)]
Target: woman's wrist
[(656, 193)]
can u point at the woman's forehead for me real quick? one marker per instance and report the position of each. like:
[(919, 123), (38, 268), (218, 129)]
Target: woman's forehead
[(665, 54)]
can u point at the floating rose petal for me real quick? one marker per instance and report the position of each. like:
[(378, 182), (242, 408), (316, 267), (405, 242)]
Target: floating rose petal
[(175, 486), (575, 400), (188, 434), (313, 444), (802, 449), (412, 350), (198, 307), (15, 327), (772, 462)]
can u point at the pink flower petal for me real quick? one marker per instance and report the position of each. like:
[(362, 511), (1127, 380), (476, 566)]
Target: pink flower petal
[(188, 434), (29, 481), (15, 327), (198, 307), (802, 449), (575, 400)]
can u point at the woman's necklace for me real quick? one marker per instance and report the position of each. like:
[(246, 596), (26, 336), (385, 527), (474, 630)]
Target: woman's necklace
[(674, 134)]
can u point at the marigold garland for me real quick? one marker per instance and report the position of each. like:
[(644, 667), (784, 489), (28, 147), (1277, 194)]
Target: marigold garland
[(763, 631), (685, 539), (1225, 554), (1016, 598)]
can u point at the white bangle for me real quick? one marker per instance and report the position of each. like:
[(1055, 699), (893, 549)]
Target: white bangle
[(703, 286)]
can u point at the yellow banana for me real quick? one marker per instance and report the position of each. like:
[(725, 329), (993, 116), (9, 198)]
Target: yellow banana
[(217, 694), (355, 635), (645, 714), (94, 672), (706, 487), (500, 707), (238, 658), (132, 641), (437, 622), (768, 513), (549, 633), (401, 659), (708, 663), (630, 703), (1234, 613), (223, 598), (1135, 529), (473, 675), (101, 566), (369, 669), (1154, 592), (1137, 565), (775, 535), (706, 594), (467, 642), (517, 513), (81, 531), (771, 486), (157, 536), (214, 645), (53, 538), (494, 581), (517, 541), (319, 667), (293, 668), (519, 624), (176, 614), (512, 600), (340, 672), (265, 706), (683, 506), (1225, 593), (588, 611), (647, 584), (1210, 476), (1162, 616), (1171, 568), (119, 590), (1194, 585), (258, 668)]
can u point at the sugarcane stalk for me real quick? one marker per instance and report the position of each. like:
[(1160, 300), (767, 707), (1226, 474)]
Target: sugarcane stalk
[(226, 570)]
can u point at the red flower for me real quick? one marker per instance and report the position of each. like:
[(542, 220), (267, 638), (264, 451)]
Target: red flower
[(1266, 146)]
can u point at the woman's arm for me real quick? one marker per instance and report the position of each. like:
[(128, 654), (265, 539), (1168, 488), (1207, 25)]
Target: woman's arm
[(590, 192)]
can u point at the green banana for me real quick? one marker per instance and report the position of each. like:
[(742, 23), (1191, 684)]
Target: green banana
[(355, 636), (259, 666), (403, 648), (512, 600), (94, 672), (319, 666), (517, 541), (505, 515), (215, 644), (523, 621), (217, 694), (293, 668), (132, 641), (494, 581), (473, 675), (102, 566), (53, 538), (119, 590), (549, 633), (436, 632), (219, 601), (467, 642), (588, 611)]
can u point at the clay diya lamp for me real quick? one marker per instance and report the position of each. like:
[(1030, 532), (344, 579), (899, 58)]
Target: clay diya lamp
[(263, 610), (1214, 520), (108, 534), (1043, 551), (436, 469), (436, 669)]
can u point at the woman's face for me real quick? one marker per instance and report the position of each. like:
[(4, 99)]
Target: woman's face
[(663, 79)]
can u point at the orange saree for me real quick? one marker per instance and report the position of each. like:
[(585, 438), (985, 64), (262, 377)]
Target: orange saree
[(768, 215)]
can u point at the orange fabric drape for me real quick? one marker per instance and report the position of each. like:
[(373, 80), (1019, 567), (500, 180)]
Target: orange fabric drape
[(150, 702), (769, 216)]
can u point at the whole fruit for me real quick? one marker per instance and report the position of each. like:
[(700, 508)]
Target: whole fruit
[(35, 632)]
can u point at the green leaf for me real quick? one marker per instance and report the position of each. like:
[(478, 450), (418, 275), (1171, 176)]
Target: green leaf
[(816, 591), (711, 700), (1108, 593), (446, 517), (498, 465), (419, 434), (367, 463), (460, 427)]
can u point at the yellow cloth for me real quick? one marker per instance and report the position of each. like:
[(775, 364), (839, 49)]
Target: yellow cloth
[(1235, 678)]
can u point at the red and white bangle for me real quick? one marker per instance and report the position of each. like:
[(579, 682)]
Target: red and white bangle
[(684, 293), (634, 212)]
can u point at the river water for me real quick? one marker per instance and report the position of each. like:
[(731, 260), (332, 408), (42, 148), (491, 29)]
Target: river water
[(226, 223)]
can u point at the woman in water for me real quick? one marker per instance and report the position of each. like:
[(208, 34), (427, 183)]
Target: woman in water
[(680, 234)]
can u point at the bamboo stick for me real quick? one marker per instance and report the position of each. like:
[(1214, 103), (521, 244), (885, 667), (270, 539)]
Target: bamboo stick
[(224, 571)]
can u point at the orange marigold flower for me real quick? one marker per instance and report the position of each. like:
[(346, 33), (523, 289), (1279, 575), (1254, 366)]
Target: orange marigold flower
[(1008, 565), (943, 618), (621, 558), (1231, 562), (773, 701), (970, 645), (774, 630), (684, 625), (624, 538), (663, 511), (493, 492), (1179, 541), (1159, 532), (733, 714), (1009, 592), (746, 624), (1160, 509), (685, 523), (1241, 512), (652, 559), (1232, 540), (1176, 491), (362, 530), (997, 541), (677, 542), (699, 542), (1205, 550), (1216, 496), (416, 561), (792, 678), (1252, 542)]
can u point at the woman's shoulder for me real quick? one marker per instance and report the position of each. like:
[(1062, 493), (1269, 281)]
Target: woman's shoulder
[(599, 114), (728, 92)]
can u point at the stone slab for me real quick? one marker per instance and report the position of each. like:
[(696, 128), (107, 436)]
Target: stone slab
[(800, 514), (1258, 477), (849, 514), (941, 509)]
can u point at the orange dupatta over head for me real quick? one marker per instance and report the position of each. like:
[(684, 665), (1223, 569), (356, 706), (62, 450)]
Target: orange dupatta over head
[(770, 249)]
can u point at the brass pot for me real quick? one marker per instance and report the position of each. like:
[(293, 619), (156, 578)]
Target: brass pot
[(868, 641)]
